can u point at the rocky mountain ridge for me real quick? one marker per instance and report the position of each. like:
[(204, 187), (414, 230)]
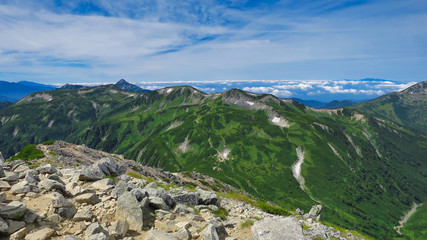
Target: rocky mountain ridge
[(74, 192)]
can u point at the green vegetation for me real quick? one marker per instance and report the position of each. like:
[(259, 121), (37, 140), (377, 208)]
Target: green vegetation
[(29, 152), (53, 154), (51, 142), (113, 178), (247, 223), (135, 175), (272, 209), (366, 172), (416, 226), (221, 212)]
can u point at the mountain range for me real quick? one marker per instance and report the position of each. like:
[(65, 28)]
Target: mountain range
[(366, 170)]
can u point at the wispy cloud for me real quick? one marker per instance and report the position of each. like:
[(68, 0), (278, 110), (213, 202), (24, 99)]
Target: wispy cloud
[(151, 41)]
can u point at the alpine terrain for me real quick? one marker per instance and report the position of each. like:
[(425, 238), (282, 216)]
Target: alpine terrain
[(365, 167)]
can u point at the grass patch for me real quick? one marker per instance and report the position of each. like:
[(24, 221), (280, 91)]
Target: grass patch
[(29, 152), (113, 178), (222, 213), (272, 209), (51, 142), (53, 154), (247, 223), (305, 226), (135, 175)]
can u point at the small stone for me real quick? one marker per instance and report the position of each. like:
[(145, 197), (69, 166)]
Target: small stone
[(98, 236), (183, 234), (59, 201), (2, 174), (94, 228), (119, 228), (3, 226), (14, 210), (4, 186), (20, 234), (21, 168), (66, 212), (209, 233), (158, 203), (159, 235), (46, 169), (70, 237), (30, 216), (11, 177), (50, 184), (15, 226), (21, 187), (41, 234)]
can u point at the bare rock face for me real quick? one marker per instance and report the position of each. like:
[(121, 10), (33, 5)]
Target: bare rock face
[(129, 208), (278, 228)]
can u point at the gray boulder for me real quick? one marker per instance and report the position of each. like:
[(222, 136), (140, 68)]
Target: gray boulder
[(119, 228), (31, 178), (14, 226), (2, 197), (47, 168), (30, 216), (14, 210), (98, 236), (23, 187), (129, 208), (41, 234), (59, 201), (70, 237), (158, 203), (1, 159), (11, 177), (50, 185), (315, 212), (278, 228), (209, 233), (92, 173), (208, 198), (183, 234), (102, 168), (20, 168), (95, 228), (66, 212), (120, 188), (191, 198), (159, 235)]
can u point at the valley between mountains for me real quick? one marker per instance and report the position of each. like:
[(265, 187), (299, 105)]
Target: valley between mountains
[(366, 169)]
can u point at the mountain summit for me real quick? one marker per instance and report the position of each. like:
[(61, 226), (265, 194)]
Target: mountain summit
[(125, 86)]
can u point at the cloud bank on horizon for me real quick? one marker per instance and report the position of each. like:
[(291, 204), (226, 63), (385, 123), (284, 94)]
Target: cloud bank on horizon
[(55, 41)]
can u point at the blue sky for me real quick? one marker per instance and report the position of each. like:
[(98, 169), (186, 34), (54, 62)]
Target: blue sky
[(55, 42)]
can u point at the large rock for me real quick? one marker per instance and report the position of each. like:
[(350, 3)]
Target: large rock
[(59, 201), (66, 212), (315, 212), (120, 188), (89, 198), (14, 226), (95, 228), (11, 177), (119, 228), (21, 168), (2, 197), (24, 187), (209, 233), (191, 198), (4, 186), (277, 228), (14, 210), (208, 198), (31, 178), (129, 208), (50, 184), (102, 168), (41, 234), (103, 184), (158, 203), (159, 235), (47, 168)]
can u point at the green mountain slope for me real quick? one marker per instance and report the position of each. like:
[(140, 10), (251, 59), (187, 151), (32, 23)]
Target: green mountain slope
[(408, 107), (366, 171)]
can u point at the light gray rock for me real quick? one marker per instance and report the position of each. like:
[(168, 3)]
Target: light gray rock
[(109, 167), (119, 228), (181, 208), (54, 218), (103, 184), (159, 235), (20, 234), (278, 228), (20, 168), (50, 184), (14, 210), (208, 198), (31, 178), (70, 237), (47, 168), (14, 226), (23, 187), (59, 201), (83, 215), (183, 234), (120, 188), (209, 233), (1, 159), (166, 197), (158, 203), (4, 186), (315, 212), (41, 234), (98, 236), (129, 208), (152, 185), (3, 226), (191, 198), (89, 198), (93, 173), (2, 197), (95, 228), (11, 177), (138, 193)]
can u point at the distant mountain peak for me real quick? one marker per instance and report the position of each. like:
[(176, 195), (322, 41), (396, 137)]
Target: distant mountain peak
[(126, 86), (71, 87)]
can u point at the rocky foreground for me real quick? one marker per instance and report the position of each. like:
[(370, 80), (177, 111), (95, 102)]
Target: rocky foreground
[(78, 193)]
